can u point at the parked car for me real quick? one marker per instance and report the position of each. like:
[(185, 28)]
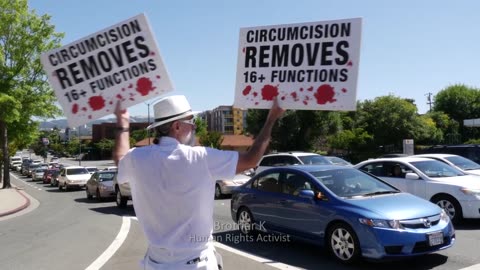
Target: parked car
[(91, 170), (290, 158), (48, 175), (123, 193), (37, 174), (15, 165), (15, 159), (73, 176), (464, 164), (451, 189), (338, 161), (350, 212), (225, 187), (101, 184)]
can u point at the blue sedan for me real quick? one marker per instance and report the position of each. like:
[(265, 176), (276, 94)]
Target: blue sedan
[(350, 212)]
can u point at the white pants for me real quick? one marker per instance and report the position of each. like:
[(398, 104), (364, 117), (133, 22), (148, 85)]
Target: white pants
[(161, 259)]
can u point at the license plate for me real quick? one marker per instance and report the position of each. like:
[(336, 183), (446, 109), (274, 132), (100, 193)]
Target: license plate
[(435, 239)]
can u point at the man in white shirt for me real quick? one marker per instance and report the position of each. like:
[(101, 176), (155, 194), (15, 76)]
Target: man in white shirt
[(173, 182)]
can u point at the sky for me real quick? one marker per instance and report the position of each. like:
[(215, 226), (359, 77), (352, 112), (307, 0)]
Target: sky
[(408, 48)]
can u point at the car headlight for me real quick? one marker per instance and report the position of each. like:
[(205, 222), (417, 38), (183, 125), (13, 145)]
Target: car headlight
[(444, 216), (381, 223), (470, 191)]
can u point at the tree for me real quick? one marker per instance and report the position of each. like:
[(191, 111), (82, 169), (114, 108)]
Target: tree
[(459, 102), (105, 146), (24, 35), (212, 139)]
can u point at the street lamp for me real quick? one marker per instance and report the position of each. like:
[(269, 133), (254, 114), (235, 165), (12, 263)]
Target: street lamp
[(148, 105)]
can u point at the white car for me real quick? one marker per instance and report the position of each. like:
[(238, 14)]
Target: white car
[(73, 176), (451, 189), (464, 164), (290, 158)]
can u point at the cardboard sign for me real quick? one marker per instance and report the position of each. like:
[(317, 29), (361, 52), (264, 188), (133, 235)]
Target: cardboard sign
[(121, 62), (308, 66)]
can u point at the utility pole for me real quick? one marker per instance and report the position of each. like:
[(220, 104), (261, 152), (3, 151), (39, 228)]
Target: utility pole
[(429, 98)]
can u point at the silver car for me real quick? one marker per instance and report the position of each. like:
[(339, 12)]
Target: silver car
[(101, 184), (123, 193), (224, 187)]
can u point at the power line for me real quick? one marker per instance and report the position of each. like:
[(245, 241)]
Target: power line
[(429, 98)]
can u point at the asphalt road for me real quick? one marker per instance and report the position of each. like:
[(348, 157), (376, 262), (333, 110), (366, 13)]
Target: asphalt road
[(67, 231)]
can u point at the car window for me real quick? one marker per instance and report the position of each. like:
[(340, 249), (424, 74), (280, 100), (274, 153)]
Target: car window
[(376, 168), (351, 183), (314, 160), (75, 171), (434, 168), (106, 176), (267, 161), (269, 182), (463, 163), (294, 183)]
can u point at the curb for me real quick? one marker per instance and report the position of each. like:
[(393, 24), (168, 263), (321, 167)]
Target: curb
[(18, 209)]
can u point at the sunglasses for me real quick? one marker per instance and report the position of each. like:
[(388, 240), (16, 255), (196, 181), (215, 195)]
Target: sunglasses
[(189, 121)]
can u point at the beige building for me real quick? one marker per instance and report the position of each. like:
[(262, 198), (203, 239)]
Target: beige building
[(226, 120)]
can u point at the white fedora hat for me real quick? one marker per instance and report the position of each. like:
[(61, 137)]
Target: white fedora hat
[(169, 109)]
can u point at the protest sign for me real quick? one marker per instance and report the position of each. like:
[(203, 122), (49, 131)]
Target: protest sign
[(307, 66), (121, 62)]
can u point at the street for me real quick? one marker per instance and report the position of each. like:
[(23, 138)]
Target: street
[(67, 231)]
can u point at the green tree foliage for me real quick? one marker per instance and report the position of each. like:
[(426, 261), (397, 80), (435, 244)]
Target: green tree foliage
[(390, 119), (105, 146), (24, 35), (201, 129), (138, 135), (212, 139), (459, 102)]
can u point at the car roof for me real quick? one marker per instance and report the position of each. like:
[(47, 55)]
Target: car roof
[(311, 168), (73, 167), (436, 155), (293, 153), (404, 159)]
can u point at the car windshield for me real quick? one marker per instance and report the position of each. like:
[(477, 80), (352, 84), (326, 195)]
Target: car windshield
[(92, 169), (434, 168), (350, 183), (463, 163), (338, 161), (77, 171), (106, 177), (314, 160)]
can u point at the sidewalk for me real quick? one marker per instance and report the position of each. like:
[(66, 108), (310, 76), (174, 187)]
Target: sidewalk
[(12, 201)]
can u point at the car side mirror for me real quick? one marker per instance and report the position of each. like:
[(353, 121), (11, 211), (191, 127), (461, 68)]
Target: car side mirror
[(412, 176), (306, 193)]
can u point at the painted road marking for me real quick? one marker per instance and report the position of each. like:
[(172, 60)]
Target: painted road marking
[(256, 258), (114, 246)]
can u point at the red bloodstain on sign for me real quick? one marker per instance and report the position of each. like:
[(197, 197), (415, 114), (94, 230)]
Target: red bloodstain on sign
[(255, 94), (294, 95), (111, 102), (243, 50), (84, 109), (144, 85), (325, 94), (256, 103), (344, 90), (247, 90), (96, 103), (152, 53), (349, 63), (301, 89), (305, 102), (119, 96), (89, 117), (123, 89), (75, 108), (269, 92), (158, 77), (310, 88), (132, 99), (283, 98), (130, 86)]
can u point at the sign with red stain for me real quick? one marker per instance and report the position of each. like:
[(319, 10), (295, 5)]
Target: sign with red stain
[(307, 66), (129, 69)]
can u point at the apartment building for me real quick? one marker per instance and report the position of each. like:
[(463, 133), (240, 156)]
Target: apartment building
[(226, 120)]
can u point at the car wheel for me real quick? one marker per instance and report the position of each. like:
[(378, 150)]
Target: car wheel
[(218, 192), (97, 194), (120, 200), (451, 206), (245, 222), (89, 196), (343, 243)]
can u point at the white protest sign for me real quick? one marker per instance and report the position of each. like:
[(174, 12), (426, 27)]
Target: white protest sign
[(307, 66), (121, 62)]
